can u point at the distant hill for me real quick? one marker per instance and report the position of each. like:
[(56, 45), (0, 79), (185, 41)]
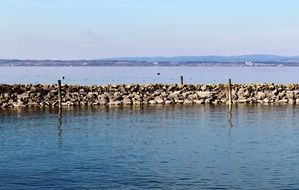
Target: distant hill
[(214, 58)]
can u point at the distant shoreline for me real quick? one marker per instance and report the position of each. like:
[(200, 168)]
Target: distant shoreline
[(134, 64), (194, 61), (286, 65)]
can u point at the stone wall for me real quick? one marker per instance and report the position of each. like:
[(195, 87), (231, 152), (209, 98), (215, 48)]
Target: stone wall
[(20, 95)]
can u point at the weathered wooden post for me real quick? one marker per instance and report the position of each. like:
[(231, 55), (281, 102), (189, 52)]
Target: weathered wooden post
[(59, 94), (182, 80), (230, 98)]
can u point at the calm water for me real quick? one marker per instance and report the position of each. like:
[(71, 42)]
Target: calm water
[(181, 147), (114, 75)]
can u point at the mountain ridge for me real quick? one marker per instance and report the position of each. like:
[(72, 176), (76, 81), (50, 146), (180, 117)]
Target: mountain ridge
[(212, 58)]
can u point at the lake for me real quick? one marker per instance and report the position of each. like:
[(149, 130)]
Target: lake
[(164, 147), (142, 75)]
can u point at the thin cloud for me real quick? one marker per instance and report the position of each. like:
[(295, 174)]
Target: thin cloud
[(88, 33)]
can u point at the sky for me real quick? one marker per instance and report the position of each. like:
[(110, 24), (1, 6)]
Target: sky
[(92, 29)]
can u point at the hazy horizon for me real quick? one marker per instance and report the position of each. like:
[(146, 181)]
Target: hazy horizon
[(74, 29), (161, 56)]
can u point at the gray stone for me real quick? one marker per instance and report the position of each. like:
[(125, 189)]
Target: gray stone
[(204, 94), (168, 102), (186, 101), (159, 100), (127, 101), (290, 94), (260, 95), (152, 102), (173, 95), (243, 100), (199, 101)]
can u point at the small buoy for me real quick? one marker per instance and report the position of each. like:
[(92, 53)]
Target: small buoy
[(158, 73)]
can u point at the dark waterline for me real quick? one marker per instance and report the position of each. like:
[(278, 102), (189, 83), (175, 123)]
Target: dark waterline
[(169, 147)]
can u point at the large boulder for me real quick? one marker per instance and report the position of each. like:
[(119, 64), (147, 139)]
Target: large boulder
[(173, 95), (260, 95), (204, 94), (159, 100)]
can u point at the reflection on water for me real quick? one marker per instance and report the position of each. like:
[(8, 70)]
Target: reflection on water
[(230, 114), (59, 126), (172, 147)]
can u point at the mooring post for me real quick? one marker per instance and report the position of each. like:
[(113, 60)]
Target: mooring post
[(182, 80), (230, 98), (59, 94)]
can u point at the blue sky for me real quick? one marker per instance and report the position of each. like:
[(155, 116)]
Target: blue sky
[(88, 29)]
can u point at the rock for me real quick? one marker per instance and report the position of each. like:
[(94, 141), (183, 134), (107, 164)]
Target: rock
[(164, 95), (203, 88), (172, 87), (178, 101), (127, 101), (168, 102), (283, 101), (96, 102), (190, 87), (215, 102), (152, 102), (63, 104), (138, 102), (117, 102), (243, 100), (173, 95), (274, 92), (207, 101), (159, 100), (281, 94), (186, 101), (92, 95), (22, 96), (205, 94), (199, 101), (260, 95), (17, 104), (193, 96), (242, 93), (290, 95), (291, 102)]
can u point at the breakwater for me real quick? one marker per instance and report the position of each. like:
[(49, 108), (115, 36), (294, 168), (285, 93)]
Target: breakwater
[(43, 95)]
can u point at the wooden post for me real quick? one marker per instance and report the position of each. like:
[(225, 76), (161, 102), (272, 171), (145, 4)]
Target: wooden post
[(59, 94), (182, 80), (230, 98)]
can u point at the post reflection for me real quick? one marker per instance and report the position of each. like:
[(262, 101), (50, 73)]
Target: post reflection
[(59, 126), (230, 115)]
